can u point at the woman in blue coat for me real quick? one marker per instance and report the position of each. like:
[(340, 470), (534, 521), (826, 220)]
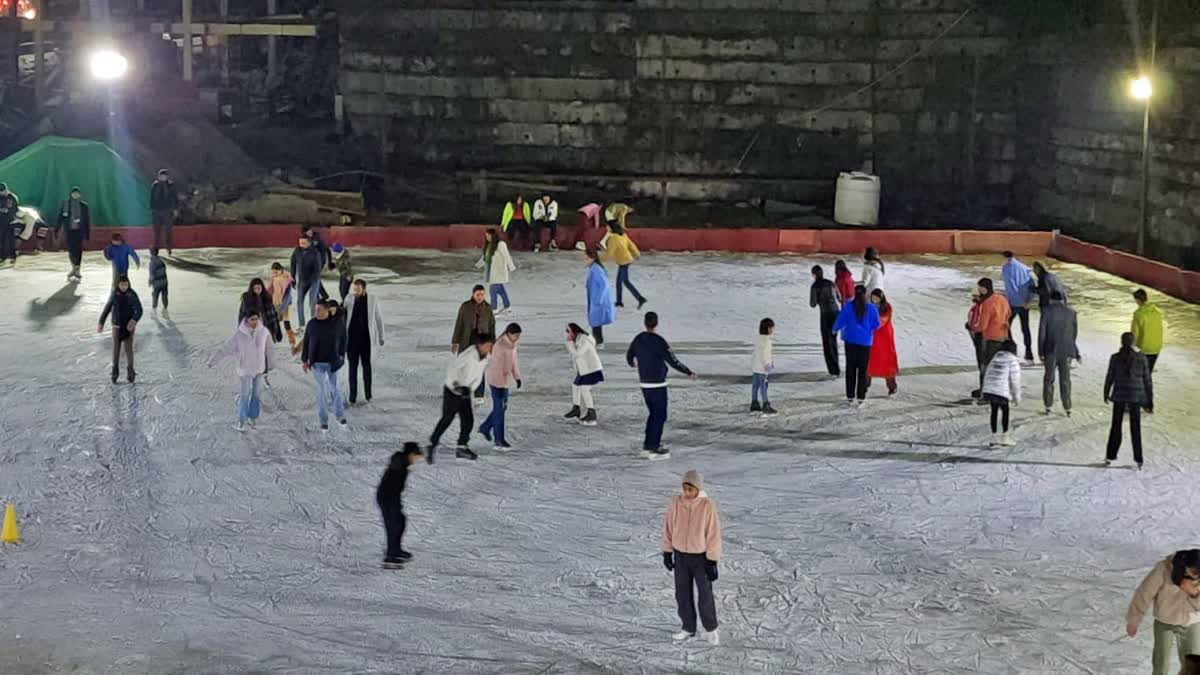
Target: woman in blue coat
[(857, 323), (599, 298)]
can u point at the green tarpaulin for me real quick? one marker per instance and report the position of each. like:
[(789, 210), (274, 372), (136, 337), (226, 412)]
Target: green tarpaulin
[(43, 173)]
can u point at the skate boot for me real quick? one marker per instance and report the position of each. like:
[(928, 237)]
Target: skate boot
[(589, 420), (995, 442), (537, 248), (240, 426), (130, 375), (291, 337), (1006, 440), (656, 454), (573, 413), (714, 638), (430, 451), (641, 303), (393, 564), (487, 435), (682, 635), (755, 406), (618, 304), (768, 411), (553, 245), (115, 373), (463, 452), (502, 445), (404, 556)]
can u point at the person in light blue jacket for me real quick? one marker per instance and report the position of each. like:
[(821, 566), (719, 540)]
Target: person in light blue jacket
[(857, 322), (601, 311), (1019, 290)]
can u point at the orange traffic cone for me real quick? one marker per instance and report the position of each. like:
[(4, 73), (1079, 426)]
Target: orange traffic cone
[(10, 534)]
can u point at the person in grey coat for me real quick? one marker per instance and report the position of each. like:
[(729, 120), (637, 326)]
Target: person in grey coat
[(1057, 332), (1130, 388)]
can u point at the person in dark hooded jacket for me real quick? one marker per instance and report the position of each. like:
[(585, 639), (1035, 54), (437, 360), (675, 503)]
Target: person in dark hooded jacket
[(824, 294), (258, 299), (126, 310), (388, 497), (306, 270), (1130, 388), (1057, 331)]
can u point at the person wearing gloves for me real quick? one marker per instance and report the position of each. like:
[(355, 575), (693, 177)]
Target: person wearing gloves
[(545, 215), (600, 309), (126, 310), (761, 365), (502, 371), (692, 549), (364, 328), (345, 269), (650, 354), (389, 498), (1147, 328), (857, 323), (622, 251), (873, 270), (1056, 343), (250, 348), (1001, 385), (496, 263), (1172, 590), (516, 218), (588, 373), (1130, 387), (463, 375), (824, 294), (1019, 291)]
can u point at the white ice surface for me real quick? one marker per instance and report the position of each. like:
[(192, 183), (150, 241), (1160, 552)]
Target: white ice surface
[(158, 539)]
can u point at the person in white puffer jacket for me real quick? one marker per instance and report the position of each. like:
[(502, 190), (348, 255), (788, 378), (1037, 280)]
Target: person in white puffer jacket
[(545, 215), (588, 373), (250, 348), (1001, 385), (873, 270)]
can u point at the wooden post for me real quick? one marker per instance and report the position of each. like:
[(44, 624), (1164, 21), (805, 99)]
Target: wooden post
[(39, 68), (187, 40), (272, 46)]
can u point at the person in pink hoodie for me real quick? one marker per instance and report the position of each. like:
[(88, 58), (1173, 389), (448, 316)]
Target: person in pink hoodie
[(250, 348), (692, 549), (1172, 592), (502, 370)]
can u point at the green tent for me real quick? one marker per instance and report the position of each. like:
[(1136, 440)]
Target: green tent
[(43, 173)]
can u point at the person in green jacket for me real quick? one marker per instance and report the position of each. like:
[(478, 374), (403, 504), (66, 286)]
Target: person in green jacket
[(1147, 327)]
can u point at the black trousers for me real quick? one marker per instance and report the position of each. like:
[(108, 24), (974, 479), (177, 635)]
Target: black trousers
[(999, 405), (155, 294), (1135, 429), (344, 287), (829, 342), (1022, 312), (1150, 360), (393, 523), (987, 349), (689, 572), (551, 225), (75, 248), (454, 405), (360, 353), (857, 381), (8, 242)]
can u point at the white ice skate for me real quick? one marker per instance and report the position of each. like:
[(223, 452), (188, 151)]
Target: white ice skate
[(713, 638), (682, 635), (995, 442), (1006, 440)]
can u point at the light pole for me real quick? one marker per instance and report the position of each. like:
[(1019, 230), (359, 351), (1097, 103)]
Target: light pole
[(1142, 89)]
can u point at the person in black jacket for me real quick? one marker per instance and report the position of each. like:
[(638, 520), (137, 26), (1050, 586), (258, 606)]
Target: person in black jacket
[(388, 497), (321, 354), (306, 270), (1130, 388), (258, 299), (126, 311), (824, 295), (158, 282), (74, 226), (164, 206), (8, 215), (651, 355)]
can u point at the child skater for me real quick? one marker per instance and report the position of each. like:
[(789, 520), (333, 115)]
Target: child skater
[(158, 282), (345, 269), (763, 363), (1172, 589), (281, 297), (588, 373), (692, 549), (1002, 384), (387, 496)]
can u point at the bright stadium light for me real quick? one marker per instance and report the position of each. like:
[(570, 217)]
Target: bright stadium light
[(108, 65), (29, 14), (1141, 88)]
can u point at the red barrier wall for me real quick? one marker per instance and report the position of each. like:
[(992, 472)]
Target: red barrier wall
[(887, 241), (1143, 271), (1021, 243)]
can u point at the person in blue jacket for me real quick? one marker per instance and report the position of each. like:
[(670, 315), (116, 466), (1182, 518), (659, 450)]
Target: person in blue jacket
[(119, 253), (601, 311), (857, 323), (651, 355), (1019, 290)]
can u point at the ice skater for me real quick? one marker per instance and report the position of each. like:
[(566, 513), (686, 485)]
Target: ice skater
[(623, 252), (857, 322), (884, 362), (1047, 283), (650, 354), (258, 299), (1147, 328), (761, 365), (475, 320), (364, 330), (306, 270), (496, 263), (824, 296), (588, 373), (502, 373), (164, 206), (972, 326), (8, 226), (545, 216), (321, 354), (1172, 590), (1130, 387), (250, 348), (126, 310), (516, 218), (1019, 291), (873, 270), (1002, 386), (587, 219), (389, 497), (74, 228), (345, 270), (281, 296), (692, 550), (843, 280), (463, 375), (600, 308), (993, 323), (158, 282), (1057, 331), (118, 253)]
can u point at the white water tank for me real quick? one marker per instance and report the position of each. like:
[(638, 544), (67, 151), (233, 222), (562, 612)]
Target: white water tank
[(856, 201)]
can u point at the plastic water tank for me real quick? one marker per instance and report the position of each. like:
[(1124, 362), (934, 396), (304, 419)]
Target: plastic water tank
[(857, 199)]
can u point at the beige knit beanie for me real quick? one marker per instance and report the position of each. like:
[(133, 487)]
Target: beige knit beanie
[(693, 478)]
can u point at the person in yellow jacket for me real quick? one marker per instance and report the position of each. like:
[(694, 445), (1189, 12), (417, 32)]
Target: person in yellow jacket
[(622, 251), (1147, 327), (516, 215)]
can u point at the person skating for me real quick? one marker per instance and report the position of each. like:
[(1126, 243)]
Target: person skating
[(588, 373), (158, 282), (515, 221), (389, 497), (873, 270), (1002, 386), (545, 216), (126, 310), (74, 228), (1147, 329), (622, 251), (496, 263), (1047, 284), (1057, 332), (600, 308), (587, 217), (364, 328), (761, 365), (8, 225), (883, 361), (972, 326), (824, 296), (250, 348), (843, 280), (650, 354), (463, 375), (857, 322), (475, 320), (502, 373), (1130, 387), (281, 295), (258, 299), (345, 270), (691, 551), (321, 354), (1019, 291), (993, 323), (119, 253), (1171, 592), (306, 270), (164, 206)]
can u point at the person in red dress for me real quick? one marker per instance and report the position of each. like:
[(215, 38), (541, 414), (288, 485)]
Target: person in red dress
[(883, 361)]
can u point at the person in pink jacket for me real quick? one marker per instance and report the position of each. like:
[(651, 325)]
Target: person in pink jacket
[(692, 549), (502, 370), (1172, 590), (250, 348)]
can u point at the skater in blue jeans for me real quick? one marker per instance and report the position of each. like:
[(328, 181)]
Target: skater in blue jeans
[(306, 270), (496, 263), (502, 369), (651, 355), (250, 347), (321, 354)]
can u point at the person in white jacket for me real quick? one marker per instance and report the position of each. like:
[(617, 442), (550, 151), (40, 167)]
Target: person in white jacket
[(496, 263), (761, 365), (588, 373), (873, 270), (463, 374), (545, 215), (250, 348), (364, 328), (1002, 384)]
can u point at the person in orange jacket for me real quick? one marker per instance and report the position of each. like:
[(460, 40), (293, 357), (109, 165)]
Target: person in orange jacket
[(993, 323)]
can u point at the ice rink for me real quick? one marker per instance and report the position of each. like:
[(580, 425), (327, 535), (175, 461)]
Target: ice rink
[(156, 538)]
